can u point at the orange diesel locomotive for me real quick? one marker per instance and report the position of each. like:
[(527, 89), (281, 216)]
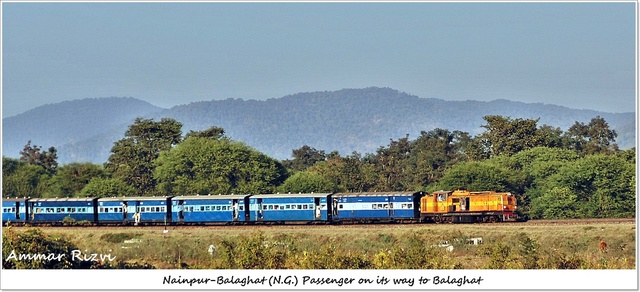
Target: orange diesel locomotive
[(465, 206)]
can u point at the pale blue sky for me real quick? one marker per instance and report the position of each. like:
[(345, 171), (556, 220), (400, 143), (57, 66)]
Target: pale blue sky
[(579, 55)]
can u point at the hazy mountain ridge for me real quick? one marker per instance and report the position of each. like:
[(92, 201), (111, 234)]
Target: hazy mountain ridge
[(345, 120)]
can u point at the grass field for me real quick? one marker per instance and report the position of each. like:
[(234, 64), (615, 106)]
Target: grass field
[(504, 246)]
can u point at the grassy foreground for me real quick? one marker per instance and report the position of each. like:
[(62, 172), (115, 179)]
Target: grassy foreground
[(578, 246)]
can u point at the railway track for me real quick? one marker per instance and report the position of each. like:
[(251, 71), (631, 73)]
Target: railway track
[(345, 226)]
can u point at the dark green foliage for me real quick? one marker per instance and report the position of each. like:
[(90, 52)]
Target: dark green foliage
[(106, 187), (307, 182), (20, 179), (34, 242), (304, 158), (34, 155), (132, 157), (71, 178), (207, 166)]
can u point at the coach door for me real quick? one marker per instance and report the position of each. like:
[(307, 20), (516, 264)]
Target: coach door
[(234, 206), (17, 210), (318, 210), (180, 209), (32, 211), (260, 209)]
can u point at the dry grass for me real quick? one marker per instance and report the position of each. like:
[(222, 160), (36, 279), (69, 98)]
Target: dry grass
[(366, 246)]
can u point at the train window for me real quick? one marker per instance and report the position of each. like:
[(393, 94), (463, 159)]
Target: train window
[(403, 206), (270, 207), (391, 205), (264, 207), (162, 209), (410, 206), (191, 209), (49, 210), (293, 207), (287, 207), (341, 206), (276, 207), (157, 209), (58, 210), (101, 210), (311, 206), (299, 207), (374, 206), (241, 208), (304, 207)]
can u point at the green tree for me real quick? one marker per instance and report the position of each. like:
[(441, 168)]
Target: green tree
[(202, 165), (20, 179), (34, 155), (132, 158), (595, 137), (482, 176), (603, 185), (556, 203), (507, 136), (307, 182), (34, 242), (71, 178), (434, 152), (213, 132), (107, 187), (304, 157)]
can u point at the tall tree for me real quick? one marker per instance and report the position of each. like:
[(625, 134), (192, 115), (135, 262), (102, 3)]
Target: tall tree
[(592, 138), (304, 157), (132, 157), (72, 178), (507, 136), (203, 165), (213, 132), (34, 155)]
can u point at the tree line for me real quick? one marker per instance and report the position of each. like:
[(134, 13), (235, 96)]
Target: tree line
[(554, 174)]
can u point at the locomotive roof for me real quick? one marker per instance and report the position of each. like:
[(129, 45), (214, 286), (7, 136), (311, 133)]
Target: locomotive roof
[(209, 197), (290, 195), (61, 199), (375, 194), (133, 198)]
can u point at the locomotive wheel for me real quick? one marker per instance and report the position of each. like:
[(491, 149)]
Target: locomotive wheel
[(436, 219)]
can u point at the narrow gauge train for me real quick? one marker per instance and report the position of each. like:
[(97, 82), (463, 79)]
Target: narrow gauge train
[(314, 208)]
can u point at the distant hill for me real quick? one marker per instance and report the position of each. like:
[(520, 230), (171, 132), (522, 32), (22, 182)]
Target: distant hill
[(345, 120)]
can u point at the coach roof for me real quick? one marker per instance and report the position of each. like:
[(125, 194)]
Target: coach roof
[(376, 194)]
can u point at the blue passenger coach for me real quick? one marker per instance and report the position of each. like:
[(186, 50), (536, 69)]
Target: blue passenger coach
[(210, 209), (14, 210), (290, 207), (55, 210), (376, 206), (125, 209)]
